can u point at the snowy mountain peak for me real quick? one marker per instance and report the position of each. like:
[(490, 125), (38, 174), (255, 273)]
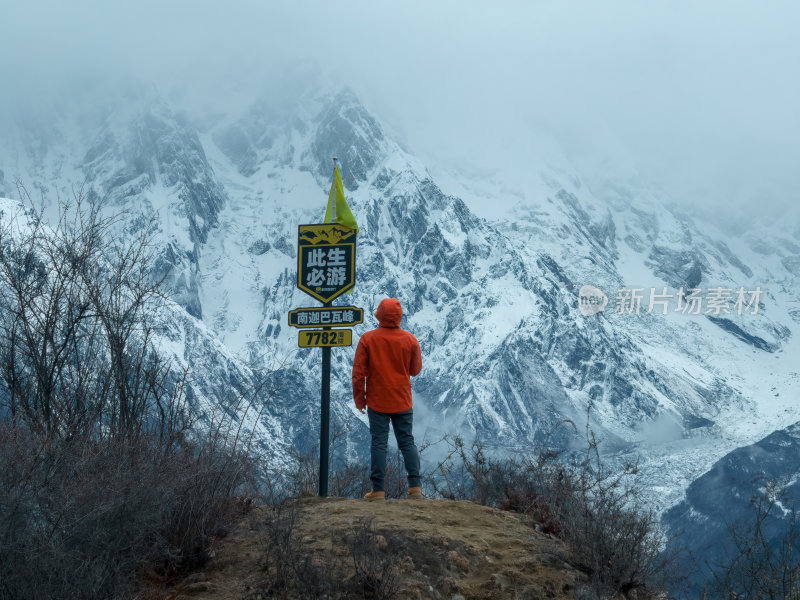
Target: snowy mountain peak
[(493, 301)]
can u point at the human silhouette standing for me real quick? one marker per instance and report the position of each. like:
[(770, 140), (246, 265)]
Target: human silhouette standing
[(386, 359)]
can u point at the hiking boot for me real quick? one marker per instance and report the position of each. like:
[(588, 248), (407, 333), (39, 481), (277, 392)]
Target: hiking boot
[(415, 493), (373, 495)]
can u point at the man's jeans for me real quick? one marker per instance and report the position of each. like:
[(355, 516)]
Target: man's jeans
[(379, 429)]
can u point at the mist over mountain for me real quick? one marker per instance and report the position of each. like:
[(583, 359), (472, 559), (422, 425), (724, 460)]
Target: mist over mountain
[(513, 169), (492, 295)]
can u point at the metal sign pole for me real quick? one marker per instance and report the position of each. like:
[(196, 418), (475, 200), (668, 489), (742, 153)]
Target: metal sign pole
[(326, 268), (325, 417)]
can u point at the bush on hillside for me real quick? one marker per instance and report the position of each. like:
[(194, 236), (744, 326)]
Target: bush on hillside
[(601, 514), (102, 472)]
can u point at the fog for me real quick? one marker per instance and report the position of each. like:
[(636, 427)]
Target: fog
[(700, 98)]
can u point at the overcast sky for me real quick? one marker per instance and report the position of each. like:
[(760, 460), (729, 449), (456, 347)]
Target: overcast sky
[(701, 97)]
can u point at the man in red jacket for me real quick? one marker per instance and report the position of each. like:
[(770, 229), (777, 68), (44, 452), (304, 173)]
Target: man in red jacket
[(386, 359)]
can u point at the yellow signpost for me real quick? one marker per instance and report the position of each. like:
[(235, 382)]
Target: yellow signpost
[(326, 269)]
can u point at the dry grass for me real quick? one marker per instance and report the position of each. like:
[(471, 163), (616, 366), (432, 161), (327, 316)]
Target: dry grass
[(401, 549)]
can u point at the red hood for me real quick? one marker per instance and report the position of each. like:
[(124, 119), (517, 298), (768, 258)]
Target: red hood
[(389, 313)]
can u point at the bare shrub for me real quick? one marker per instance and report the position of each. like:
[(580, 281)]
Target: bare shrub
[(81, 517), (600, 513), (764, 559), (345, 480), (102, 470), (376, 570), (76, 325), (291, 570)]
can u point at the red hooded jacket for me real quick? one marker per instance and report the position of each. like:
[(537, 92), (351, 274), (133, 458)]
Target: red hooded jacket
[(386, 359)]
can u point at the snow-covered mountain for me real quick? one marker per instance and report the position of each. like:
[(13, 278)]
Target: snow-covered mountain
[(491, 293), (723, 498)]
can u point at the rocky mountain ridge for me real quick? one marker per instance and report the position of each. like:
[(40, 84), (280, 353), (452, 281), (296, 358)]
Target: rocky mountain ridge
[(507, 354)]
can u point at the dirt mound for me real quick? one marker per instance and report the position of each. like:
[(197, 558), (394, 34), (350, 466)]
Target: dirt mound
[(395, 549)]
